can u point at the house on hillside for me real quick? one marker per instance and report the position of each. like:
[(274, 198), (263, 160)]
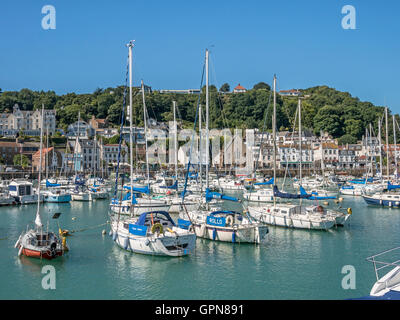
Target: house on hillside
[(239, 89)]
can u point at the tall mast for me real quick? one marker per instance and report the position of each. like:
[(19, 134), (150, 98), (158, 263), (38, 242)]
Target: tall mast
[(47, 152), (38, 221), (395, 146), (145, 135), (176, 146), (380, 146), (372, 153), (130, 46), (77, 142), (94, 156), (387, 142), (207, 106), (322, 154), (274, 133), (301, 155), (200, 152)]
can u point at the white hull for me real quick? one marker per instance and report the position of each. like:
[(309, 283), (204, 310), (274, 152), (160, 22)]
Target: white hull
[(176, 244), (81, 197), (297, 221)]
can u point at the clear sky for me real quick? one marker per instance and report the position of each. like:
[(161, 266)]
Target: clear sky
[(303, 42)]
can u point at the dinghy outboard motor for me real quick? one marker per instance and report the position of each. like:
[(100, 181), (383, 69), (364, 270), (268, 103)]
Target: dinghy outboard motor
[(53, 251)]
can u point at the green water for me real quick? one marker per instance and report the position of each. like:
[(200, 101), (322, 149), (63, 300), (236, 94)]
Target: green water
[(291, 264)]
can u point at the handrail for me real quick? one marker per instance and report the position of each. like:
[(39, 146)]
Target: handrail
[(384, 263)]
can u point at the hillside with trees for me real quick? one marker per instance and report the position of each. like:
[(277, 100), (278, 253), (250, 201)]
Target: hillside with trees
[(324, 109)]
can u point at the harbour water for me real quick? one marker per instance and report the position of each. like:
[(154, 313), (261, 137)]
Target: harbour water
[(291, 264)]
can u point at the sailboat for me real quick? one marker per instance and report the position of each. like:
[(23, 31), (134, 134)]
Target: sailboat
[(131, 204), (153, 232), (389, 197), (286, 214), (218, 224), (38, 242)]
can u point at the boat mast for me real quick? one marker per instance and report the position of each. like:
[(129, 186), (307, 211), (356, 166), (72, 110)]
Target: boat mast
[(77, 142), (130, 46), (207, 119), (372, 153), (38, 221), (145, 136), (395, 146), (47, 152), (387, 142), (380, 145), (200, 152), (274, 134), (176, 147), (300, 140)]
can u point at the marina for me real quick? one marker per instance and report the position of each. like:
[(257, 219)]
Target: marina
[(289, 264), (199, 157)]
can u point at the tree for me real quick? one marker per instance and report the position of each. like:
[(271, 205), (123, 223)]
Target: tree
[(328, 119), (262, 85), (225, 88), (347, 139), (21, 160)]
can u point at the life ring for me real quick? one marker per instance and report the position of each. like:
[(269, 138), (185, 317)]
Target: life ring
[(157, 228), (349, 211), (229, 220)]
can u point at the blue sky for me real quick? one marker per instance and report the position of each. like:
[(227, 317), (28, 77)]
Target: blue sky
[(301, 41)]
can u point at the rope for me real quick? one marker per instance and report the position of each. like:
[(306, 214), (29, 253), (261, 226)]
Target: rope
[(89, 228)]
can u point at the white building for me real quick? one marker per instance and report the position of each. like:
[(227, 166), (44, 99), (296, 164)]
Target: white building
[(29, 122), (110, 154)]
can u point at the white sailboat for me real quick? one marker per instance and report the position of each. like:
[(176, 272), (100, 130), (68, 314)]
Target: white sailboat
[(221, 225), (153, 232), (285, 214)]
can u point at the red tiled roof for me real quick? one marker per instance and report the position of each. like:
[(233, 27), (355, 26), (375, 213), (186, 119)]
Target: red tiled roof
[(44, 151), (239, 87)]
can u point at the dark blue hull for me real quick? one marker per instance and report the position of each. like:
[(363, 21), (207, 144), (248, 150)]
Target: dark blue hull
[(383, 203)]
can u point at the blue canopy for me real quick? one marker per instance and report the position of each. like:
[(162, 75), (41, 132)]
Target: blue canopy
[(145, 189), (271, 181), (128, 197), (279, 194), (314, 196), (216, 195), (49, 184), (392, 186), (142, 217)]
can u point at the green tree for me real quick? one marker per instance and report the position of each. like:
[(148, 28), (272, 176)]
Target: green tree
[(21, 160), (263, 86), (347, 139), (225, 88)]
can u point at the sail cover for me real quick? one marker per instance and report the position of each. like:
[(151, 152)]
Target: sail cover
[(265, 183), (279, 194), (145, 189), (314, 197), (216, 195)]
